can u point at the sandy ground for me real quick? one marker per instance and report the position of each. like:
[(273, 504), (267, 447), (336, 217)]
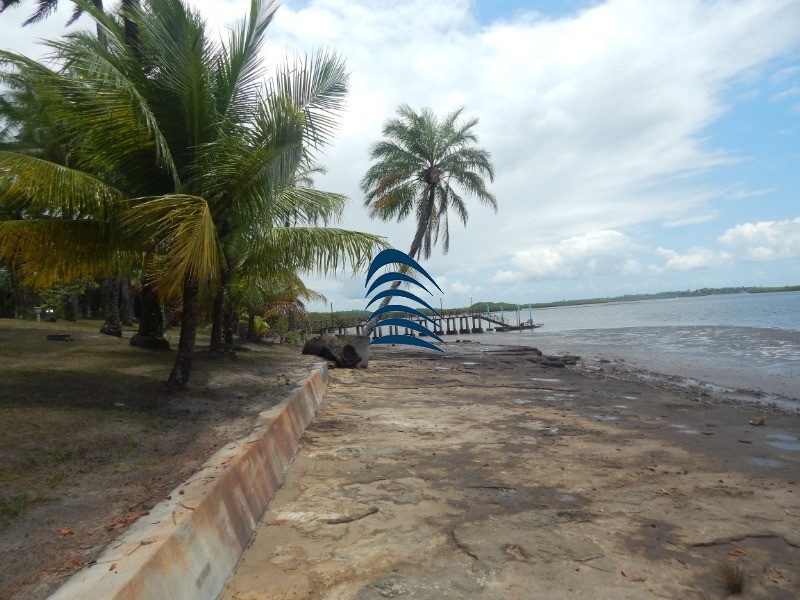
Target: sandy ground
[(484, 475)]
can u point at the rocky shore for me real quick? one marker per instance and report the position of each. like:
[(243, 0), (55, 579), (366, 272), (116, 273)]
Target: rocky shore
[(492, 473)]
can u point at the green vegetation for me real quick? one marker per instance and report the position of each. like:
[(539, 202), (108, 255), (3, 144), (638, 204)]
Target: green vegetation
[(319, 320), (170, 157), (496, 306), (323, 319), (764, 290)]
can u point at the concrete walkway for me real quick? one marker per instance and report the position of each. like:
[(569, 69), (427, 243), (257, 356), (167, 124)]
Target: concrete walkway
[(186, 547), (483, 475)]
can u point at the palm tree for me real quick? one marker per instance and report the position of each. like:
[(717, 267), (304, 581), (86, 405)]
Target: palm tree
[(426, 165), (180, 153)]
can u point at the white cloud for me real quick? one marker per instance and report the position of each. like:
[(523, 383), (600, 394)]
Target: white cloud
[(764, 240), (785, 73), (597, 120), (741, 193), (459, 288), (603, 252), (26, 40), (695, 258), (789, 93), (508, 277)]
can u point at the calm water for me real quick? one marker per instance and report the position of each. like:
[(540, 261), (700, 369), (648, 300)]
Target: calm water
[(740, 341), (779, 310)]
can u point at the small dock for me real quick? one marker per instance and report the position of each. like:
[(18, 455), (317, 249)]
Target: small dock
[(450, 323)]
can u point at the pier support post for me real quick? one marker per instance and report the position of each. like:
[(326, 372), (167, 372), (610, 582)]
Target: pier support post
[(451, 330), (462, 322)]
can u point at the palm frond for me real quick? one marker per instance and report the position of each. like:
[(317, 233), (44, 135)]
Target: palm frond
[(306, 206), (320, 249), (240, 67), (316, 86), (42, 187), (46, 251), (418, 167), (102, 94), (180, 228)]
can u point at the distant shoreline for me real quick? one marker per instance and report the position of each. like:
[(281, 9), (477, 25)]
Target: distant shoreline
[(495, 306), (498, 306)]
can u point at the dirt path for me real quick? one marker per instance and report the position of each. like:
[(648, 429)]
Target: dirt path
[(483, 475)]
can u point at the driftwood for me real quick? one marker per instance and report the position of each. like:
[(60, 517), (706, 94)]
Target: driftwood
[(346, 351), (59, 337)]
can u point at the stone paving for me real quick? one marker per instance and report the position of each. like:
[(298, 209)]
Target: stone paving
[(486, 475)]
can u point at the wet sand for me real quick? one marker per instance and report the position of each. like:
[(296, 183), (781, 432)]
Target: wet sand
[(741, 362), (482, 474)]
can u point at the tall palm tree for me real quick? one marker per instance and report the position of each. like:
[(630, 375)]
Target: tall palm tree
[(426, 165), (180, 148)]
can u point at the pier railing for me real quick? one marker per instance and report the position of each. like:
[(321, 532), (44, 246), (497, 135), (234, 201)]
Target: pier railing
[(450, 322)]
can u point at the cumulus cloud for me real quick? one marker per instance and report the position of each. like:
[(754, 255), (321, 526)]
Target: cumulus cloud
[(605, 252), (459, 288), (597, 119), (508, 277), (594, 119), (764, 240), (695, 258)]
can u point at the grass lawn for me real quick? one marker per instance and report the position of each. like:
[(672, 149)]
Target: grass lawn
[(91, 439)]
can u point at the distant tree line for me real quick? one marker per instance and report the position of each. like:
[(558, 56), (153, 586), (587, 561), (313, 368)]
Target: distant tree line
[(343, 317), (496, 306)]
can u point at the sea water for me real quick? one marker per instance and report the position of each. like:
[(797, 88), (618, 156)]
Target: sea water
[(780, 310), (735, 341)]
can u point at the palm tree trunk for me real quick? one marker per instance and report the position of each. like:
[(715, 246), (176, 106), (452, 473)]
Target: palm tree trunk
[(125, 304), (112, 325), (100, 34), (72, 308), (182, 369), (91, 300), (251, 325), (218, 317), (416, 244), (152, 324), (131, 28)]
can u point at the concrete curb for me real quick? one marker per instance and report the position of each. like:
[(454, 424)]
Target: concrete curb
[(189, 544)]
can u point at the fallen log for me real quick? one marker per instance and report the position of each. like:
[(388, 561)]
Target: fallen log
[(59, 337), (345, 351)]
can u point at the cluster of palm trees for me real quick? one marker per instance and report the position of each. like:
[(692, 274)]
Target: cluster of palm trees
[(150, 148), (145, 147)]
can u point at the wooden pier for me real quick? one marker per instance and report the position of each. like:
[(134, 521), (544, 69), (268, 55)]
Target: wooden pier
[(450, 323)]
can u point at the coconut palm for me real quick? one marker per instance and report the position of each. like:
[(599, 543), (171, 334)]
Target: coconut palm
[(426, 165), (181, 154)]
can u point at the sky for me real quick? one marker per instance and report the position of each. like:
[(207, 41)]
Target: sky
[(639, 145)]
